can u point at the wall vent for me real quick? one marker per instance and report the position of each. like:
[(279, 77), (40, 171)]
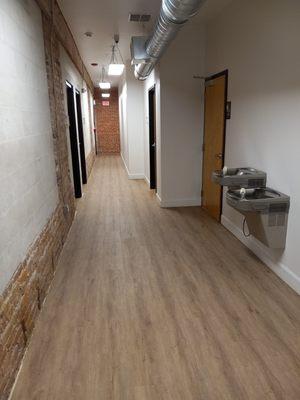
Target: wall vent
[(134, 17), (145, 18), (139, 17)]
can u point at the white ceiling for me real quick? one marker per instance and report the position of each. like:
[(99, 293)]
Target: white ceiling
[(106, 17)]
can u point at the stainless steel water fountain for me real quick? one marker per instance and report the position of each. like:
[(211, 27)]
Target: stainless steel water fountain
[(265, 210), (240, 177)]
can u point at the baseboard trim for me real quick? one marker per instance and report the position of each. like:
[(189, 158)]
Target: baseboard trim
[(179, 202), (158, 198), (124, 163), (90, 159), (281, 270), (131, 176), (136, 176), (147, 180)]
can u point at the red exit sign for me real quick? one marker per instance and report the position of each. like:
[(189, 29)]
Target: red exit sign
[(105, 103)]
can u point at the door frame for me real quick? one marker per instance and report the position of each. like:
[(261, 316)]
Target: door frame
[(207, 79), (74, 145), (152, 135), (80, 136)]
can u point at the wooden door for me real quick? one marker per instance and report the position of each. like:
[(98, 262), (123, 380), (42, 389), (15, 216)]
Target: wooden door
[(214, 140)]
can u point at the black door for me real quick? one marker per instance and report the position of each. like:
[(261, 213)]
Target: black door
[(152, 138), (73, 140), (81, 138)]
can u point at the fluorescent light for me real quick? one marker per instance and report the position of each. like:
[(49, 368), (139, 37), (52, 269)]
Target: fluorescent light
[(115, 69), (105, 95), (104, 85)]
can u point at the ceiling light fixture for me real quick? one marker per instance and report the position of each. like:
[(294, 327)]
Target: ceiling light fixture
[(105, 95), (103, 84), (116, 68)]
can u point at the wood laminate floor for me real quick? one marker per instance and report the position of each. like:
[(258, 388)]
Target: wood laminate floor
[(159, 304)]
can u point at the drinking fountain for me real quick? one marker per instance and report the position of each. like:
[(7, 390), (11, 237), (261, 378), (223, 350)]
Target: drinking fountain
[(240, 177), (265, 210)]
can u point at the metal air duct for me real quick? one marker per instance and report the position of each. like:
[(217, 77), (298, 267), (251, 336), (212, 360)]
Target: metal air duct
[(147, 51)]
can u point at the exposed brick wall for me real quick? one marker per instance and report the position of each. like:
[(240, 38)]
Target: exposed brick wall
[(51, 9), (107, 122), (57, 112), (23, 297)]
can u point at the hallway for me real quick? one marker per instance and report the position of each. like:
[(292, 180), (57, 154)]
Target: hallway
[(150, 303)]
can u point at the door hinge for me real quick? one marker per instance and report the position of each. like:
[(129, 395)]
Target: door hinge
[(203, 147), (202, 193), (228, 110)]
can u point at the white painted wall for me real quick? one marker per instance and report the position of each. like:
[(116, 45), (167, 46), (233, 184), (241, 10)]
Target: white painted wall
[(179, 121), (71, 74), (87, 119), (123, 122), (182, 118), (28, 193), (131, 106), (258, 41), (92, 122), (135, 121)]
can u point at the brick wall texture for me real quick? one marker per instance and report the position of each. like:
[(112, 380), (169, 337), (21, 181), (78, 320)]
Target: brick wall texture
[(50, 8), (23, 298), (107, 122)]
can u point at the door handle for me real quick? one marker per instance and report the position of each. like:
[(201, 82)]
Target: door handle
[(153, 145), (219, 156)]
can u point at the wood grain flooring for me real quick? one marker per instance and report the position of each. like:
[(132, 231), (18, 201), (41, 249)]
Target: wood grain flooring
[(159, 304)]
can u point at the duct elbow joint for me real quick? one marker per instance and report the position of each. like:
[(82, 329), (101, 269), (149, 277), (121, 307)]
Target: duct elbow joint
[(138, 76), (147, 52)]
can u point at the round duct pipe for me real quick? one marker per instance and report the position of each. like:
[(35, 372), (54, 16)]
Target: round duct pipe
[(173, 15)]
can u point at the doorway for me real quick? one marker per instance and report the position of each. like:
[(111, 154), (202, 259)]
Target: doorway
[(152, 137), (73, 140), (81, 137), (214, 141)]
